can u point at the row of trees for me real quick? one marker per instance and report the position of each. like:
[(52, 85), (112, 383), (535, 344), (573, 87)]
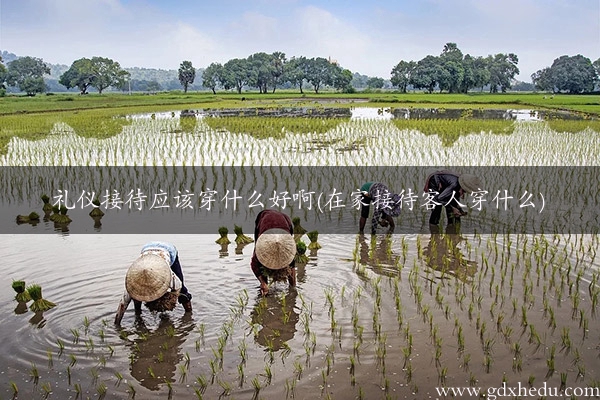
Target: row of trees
[(576, 74), (266, 72), (451, 71), (454, 72)]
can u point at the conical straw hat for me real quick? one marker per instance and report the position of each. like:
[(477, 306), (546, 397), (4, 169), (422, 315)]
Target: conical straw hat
[(148, 278), (469, 183), (275, 248)]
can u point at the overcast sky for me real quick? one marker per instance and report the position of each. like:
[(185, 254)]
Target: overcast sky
[(369, 37)]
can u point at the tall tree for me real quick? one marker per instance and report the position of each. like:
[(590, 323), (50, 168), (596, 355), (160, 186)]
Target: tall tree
[(427, 74), (278, 59), (187, 74), (375, 83), (319, 72), (452, 70), (81, 74), (236, 74), (28, 74), (212, 76), (402, 73), (503, 69), (261, 71), (295, 71)]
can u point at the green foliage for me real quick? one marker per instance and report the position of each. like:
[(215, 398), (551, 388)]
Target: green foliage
[(98, 72), (574, 74), (27, 73), (186, 75)]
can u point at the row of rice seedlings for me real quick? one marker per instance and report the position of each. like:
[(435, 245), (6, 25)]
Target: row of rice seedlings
[(148, 143)]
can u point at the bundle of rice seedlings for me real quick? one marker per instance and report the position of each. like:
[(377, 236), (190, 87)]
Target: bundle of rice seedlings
[(47, 208), (301, 257), (241, 238), (223, 231), (166, 302), (61, 218), (55, 213), (32, 217), (298, 229), (22, 295), (96, 212), (39, 304), (313, 236)]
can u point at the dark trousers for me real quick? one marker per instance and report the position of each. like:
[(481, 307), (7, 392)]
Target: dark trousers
[(436, 215), (176, 268)]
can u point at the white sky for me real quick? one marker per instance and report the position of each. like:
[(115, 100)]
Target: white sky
[(368, 37)]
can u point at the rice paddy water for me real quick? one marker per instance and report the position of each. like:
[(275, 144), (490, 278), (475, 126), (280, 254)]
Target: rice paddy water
[(372, 317)]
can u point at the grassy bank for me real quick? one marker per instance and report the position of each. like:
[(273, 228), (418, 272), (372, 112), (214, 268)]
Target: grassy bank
[(588, 104)]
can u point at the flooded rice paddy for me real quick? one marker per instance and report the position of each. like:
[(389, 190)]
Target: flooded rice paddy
[(372, 317)]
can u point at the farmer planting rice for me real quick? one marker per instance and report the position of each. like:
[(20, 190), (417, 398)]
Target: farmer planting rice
[(274, 250), (386, 205), (155, 278), (445, 188)]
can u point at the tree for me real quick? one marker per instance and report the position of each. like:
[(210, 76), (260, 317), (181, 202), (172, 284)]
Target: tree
[(187, 74), (503, 68), (342, 78), (261, 69), (2, 75), (28, 74), (97, 72), (375, 83), (402, 73), (573, 74), (426, 74), (295, 71), (81, 75), (319, 72), (236, 74), (542, 79), (279, 61), (212, 76)]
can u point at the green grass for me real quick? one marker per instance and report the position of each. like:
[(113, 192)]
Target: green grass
[(18, 104)]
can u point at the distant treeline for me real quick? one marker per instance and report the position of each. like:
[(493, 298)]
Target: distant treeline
[(451, 72)]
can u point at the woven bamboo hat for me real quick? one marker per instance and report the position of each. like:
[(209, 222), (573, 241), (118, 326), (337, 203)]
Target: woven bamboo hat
[(275, 248), (148, 278), (469, 183)]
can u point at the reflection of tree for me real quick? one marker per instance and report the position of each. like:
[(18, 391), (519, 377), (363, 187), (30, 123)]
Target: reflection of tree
[(277, 316), (378, 254), (155, 355), (442, 253)]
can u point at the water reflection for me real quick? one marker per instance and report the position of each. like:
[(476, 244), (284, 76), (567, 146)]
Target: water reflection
[(277, 315), (443, 254), (377, 253), (156, 354)]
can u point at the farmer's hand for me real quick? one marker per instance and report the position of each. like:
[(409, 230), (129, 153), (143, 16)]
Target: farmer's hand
[(264, 288), (458, 212)]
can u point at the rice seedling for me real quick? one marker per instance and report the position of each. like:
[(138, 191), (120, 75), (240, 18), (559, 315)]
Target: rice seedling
[(202, 382), (46, 390), (223, 239), (257, 387), (15, 389), (39, 303), (131, 390), (34, 374)]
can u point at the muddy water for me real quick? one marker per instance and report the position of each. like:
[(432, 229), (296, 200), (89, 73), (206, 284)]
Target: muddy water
[(359, 306)]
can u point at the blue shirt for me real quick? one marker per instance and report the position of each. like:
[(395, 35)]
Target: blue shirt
[(164, 247)]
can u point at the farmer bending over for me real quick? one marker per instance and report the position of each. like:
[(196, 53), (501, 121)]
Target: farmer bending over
[(155, 277), (274, 249)]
